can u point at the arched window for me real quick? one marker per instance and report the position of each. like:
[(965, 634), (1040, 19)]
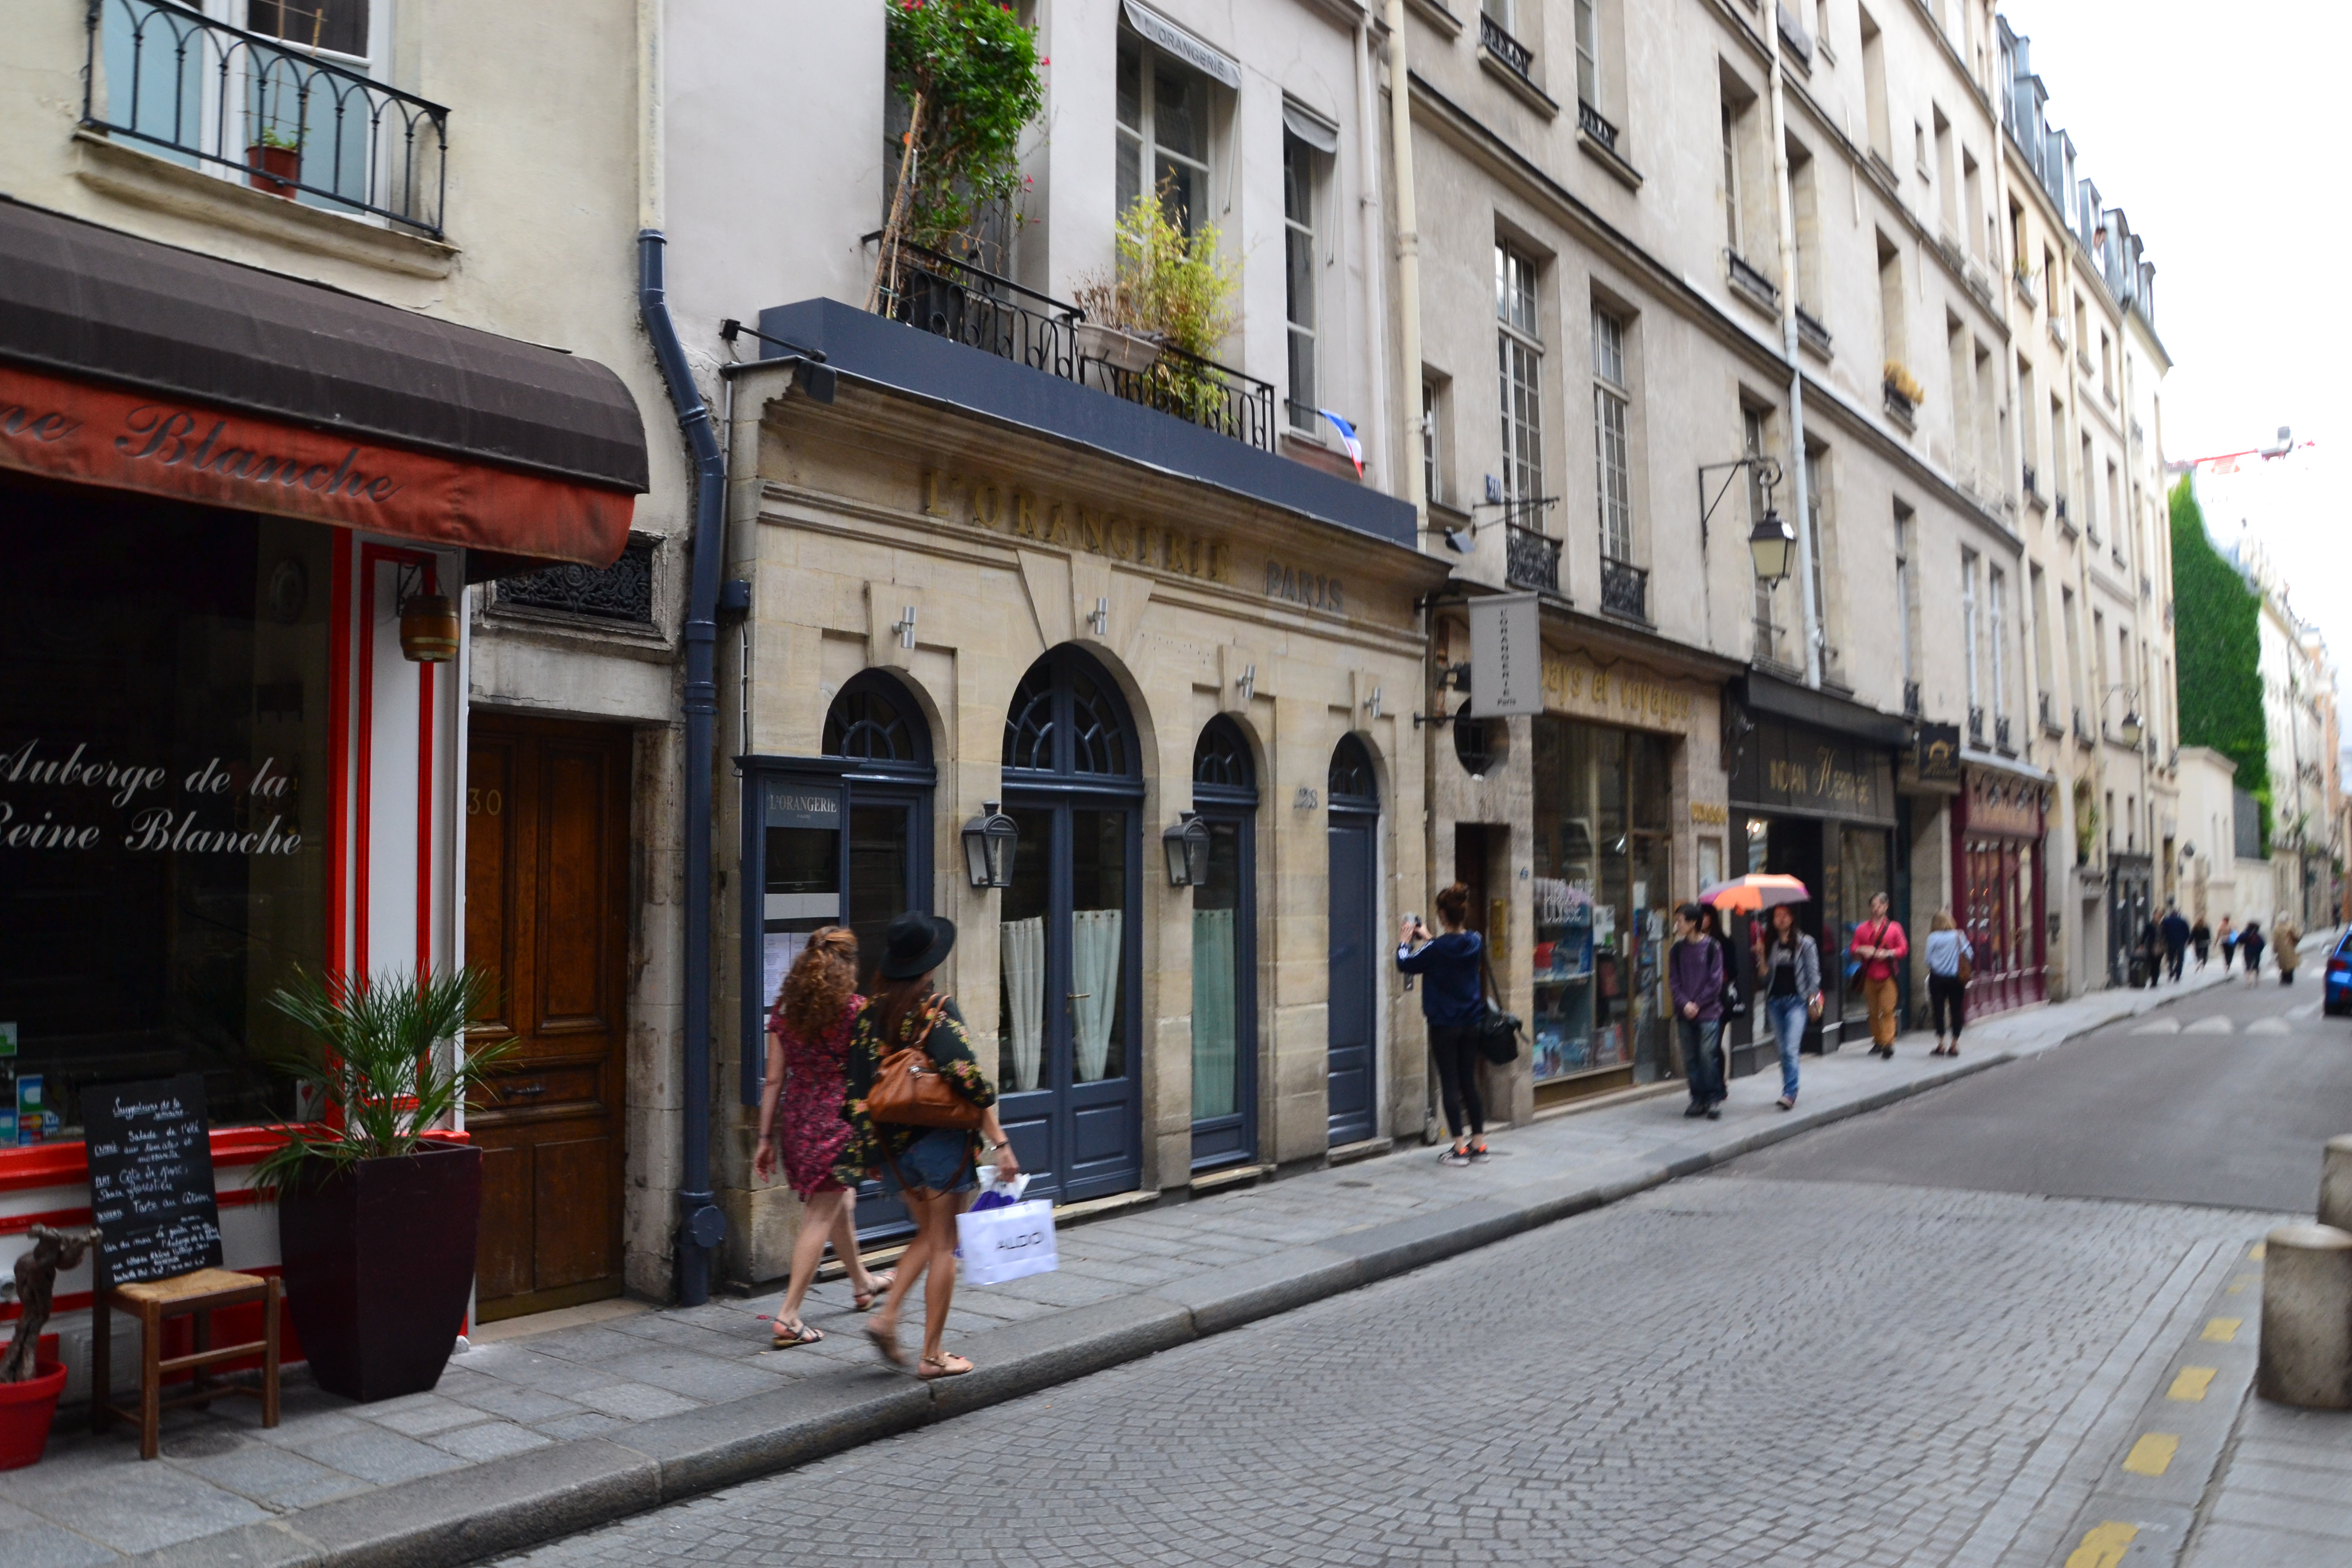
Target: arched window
[(873, 721), (1221, 759), (1065, 717), (1353, 781)]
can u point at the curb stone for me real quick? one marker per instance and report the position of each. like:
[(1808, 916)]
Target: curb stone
[(528, 1500)]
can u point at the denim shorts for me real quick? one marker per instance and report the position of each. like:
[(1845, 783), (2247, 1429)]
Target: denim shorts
[(937, 1161)]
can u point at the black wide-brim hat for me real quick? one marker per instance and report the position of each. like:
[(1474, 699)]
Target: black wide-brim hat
[(915, 944)]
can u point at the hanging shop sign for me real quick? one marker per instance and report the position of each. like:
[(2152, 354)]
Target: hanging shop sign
[(2010, 806), (1505, 656), (124, 439), (1935, 753)]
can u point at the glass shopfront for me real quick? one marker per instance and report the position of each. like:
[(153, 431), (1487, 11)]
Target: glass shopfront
[(1602, 898), (164, 815)]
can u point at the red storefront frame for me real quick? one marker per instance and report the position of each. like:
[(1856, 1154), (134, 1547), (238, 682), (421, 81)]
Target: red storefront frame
[(1998, 866)]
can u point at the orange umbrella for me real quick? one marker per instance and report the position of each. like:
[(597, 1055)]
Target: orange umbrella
[(1756, 890)]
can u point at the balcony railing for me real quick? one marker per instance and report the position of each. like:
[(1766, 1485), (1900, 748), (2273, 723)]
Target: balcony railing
[(1975, 726), (1530, 559), (1910, 700), (981, 310), (1771, 634), (1900, 408), (2049, 714), (2000, 733), (1505, 48), (1589, 120), (286, 120), (2082, 729), (1812, 334), (1746, 280), (2032, 483), (1624, 589)]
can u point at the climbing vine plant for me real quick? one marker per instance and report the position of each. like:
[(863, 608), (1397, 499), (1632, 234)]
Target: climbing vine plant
[(2217, 637), (968, 73)]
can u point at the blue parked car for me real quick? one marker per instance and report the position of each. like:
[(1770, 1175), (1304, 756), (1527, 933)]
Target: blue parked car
[(2335, 995)]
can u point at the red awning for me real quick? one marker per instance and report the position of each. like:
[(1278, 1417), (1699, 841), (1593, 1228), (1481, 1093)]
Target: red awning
[(139, 366)]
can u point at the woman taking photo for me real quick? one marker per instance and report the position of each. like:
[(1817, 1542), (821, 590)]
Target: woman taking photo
[(1791, 962), (930, 1167), (1451, 1005), (799, 1113), (1948, 992)]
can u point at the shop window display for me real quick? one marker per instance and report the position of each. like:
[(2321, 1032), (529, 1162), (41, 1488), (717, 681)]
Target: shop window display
[(1603, 890), (163, 802)]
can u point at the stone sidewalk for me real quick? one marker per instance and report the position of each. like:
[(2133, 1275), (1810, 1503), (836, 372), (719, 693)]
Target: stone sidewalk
[(534, 1436)]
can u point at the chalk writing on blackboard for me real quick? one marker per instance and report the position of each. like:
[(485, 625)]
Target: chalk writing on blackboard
[(150, 1179)]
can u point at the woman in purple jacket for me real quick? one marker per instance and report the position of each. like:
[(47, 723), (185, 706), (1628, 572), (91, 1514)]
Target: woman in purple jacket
[(1694, 982)]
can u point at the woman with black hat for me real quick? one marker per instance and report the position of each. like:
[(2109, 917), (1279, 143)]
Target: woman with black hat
[(930, 1167)]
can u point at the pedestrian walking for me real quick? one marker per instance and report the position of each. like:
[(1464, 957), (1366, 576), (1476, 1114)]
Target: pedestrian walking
[(800, 1117), (2227, 935), (1952, 958), (930, 1167), (1879, 945), (2201, 937), (1791, 962), (1734, 1001), (2175, 932), (2286, 952), (1451, 1006), (2250, 948), (2145, 967), (1694, 982)]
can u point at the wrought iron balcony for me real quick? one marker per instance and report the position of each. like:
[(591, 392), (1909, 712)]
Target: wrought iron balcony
[(287, 121), (1589, 120), (1505, 48), (1624, 589), (1810, 332), (2082, 729), (1900, 408), (2058, 504), (1746, 279), (1910, 700), (621, 591), (1530, 559), (2000, 734), (1976, 725), (2049, 715), (2032, 483), (1770, 638), (982, 310)]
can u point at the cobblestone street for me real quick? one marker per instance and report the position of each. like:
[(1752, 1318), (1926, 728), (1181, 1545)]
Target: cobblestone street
[(1724, 1371)]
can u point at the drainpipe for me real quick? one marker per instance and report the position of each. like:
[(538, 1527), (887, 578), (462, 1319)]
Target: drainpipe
[(701, 1226), (1408, 266), (1806, 544)]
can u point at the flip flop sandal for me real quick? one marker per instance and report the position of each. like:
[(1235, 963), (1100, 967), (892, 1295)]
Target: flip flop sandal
[(791, 1334), (864, 1299), (887, 1342), (943, 1365)]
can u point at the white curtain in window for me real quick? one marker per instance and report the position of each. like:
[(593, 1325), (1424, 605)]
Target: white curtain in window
[(1213, 964), (1094, 973), (1023, 943)]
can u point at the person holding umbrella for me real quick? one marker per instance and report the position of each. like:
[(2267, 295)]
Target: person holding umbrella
[(1788, 964)]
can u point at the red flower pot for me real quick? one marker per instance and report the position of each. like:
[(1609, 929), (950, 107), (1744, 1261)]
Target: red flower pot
[(275, 169), (25, 1411)]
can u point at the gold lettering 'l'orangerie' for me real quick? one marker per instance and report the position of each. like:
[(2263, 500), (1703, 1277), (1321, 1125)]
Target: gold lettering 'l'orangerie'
[(1018, 514)]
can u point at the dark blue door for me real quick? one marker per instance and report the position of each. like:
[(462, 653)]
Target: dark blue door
[(1352, 832), (1224, 951)]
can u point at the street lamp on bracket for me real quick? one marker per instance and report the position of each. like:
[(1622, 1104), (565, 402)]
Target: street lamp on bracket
[(1772, 544)]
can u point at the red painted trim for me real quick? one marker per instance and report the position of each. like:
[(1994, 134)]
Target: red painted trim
[(339, 769), (425, 797), (363, 762), (67, 1164), (371, 556)]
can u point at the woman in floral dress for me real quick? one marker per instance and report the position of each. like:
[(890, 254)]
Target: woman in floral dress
[(933, 1167), (800, 1113)]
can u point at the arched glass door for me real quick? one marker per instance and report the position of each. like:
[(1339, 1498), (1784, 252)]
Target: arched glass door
[(1068, 1021), (1224, 951), (1352, 828)]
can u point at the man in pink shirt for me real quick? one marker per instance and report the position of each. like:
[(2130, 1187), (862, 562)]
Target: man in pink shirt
[(1879, 946)]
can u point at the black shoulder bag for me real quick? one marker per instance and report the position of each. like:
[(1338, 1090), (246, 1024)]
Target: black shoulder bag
[(1499, 1032)]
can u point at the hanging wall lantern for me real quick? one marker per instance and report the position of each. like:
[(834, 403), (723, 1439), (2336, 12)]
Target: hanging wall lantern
[(1187, 847), (428, 629), (2132, 729), (988, 844), (1772, 542)]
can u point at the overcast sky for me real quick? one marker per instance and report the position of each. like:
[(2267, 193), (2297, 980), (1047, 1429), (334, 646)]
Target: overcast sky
[(2222, 132)]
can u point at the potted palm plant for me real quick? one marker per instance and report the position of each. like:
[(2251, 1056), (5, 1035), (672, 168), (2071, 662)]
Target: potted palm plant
[(378, 1208)]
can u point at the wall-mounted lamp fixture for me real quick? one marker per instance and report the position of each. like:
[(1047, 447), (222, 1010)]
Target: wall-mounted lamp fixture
[(1186, 845), (1099, 622), (1247, 685), (905, 626), (1372, 704), (989, 840), (1772, 544), (428, 621)]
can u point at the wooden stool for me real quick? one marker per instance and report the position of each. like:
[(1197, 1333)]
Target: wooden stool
[(199, 1294)]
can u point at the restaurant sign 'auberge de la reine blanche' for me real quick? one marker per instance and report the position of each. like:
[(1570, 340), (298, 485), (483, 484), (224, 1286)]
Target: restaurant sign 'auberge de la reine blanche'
[(143, 824)]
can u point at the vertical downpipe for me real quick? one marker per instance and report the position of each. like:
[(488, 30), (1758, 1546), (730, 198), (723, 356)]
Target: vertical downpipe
[(1806, 544)]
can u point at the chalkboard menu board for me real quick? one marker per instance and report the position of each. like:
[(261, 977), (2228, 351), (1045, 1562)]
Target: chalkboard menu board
[(150, 1179)]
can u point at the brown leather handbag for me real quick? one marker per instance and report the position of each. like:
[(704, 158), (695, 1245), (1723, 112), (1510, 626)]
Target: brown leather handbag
[(909, 1090)]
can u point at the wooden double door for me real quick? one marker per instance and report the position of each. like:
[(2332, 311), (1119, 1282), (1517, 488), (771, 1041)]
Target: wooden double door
[(547, 881)]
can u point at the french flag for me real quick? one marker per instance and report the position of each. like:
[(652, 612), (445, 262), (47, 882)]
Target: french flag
[(1348, 437)]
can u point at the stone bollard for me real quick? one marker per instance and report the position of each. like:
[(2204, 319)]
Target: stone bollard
[(2335, 1183), (2306, 1344)]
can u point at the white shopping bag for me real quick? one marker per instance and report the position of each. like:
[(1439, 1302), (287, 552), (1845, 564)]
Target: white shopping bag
[(1008, 1243)]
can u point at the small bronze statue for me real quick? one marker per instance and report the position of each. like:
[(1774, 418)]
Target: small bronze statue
[(36, 1283)]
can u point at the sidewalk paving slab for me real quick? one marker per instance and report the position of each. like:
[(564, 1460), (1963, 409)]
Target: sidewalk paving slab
[(533, 1438)]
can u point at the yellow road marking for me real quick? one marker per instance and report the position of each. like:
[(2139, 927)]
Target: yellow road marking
[(2152, 1453), (2192, 1382), (2221, 1330), (2254, 1254), (2104, 1546)]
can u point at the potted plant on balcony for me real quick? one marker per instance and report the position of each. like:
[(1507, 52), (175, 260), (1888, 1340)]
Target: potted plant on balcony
[(967, 72), (1168, 289), (378, 1210), (1903, 393), (275, 160)]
